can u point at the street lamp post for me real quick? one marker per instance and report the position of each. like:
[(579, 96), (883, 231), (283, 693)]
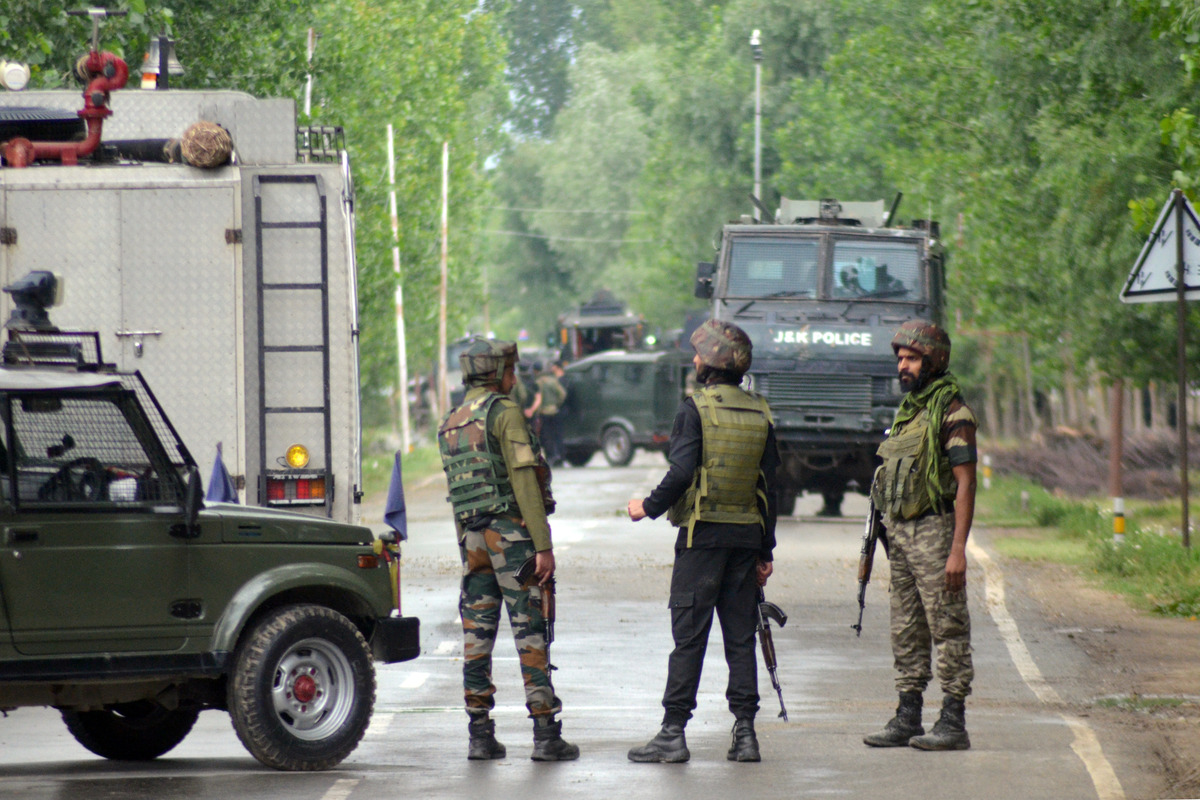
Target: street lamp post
[(756, 50)]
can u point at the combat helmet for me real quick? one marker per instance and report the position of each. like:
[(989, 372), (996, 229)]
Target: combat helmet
[(723, 345), (926, 338), (484, 360)]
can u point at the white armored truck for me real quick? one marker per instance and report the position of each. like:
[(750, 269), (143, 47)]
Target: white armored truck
[(231, 288)]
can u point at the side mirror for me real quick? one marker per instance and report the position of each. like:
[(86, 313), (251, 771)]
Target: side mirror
[(704, 279)]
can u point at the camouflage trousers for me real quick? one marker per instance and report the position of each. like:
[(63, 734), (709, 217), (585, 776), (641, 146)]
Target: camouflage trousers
[(924, 614), (491, 558)]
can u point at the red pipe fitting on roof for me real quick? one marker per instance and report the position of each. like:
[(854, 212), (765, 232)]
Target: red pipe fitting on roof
[(110, 73)]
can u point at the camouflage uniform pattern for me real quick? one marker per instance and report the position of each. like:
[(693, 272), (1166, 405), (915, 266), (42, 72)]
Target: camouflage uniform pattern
[(723, 345), (491, 558), (924, 615)]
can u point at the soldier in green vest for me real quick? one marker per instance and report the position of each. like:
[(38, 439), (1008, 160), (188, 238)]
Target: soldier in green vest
[(925, 490), (720, 493), (500, 492)]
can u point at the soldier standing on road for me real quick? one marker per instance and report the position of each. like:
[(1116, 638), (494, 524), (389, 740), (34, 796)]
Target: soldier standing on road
[(720, 491), (500, 493), (547, 404), (925, 490)]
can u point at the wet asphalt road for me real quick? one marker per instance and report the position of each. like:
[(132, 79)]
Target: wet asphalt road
[(613, 639)]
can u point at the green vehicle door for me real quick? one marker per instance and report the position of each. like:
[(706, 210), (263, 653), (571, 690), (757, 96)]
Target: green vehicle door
[(89, 503)]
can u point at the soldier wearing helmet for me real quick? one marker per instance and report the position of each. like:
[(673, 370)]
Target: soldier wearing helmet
[(720, 492), (925, 490), (500, 493)]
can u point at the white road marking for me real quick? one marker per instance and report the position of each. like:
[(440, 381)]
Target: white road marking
[(447, 646), (415, 680), (1085, 745), (341, 789), (380, 723)]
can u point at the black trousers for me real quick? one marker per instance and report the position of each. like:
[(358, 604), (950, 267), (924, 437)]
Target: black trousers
[(704, 580), (552, 438)]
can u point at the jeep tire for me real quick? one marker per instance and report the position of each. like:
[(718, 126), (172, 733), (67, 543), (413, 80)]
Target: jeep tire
[(617, 445), (302, 688), (138, 731)]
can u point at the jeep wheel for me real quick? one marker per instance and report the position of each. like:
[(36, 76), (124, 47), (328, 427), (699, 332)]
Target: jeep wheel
[(618, 446), (302, 689), (578, 457), (138, 731)]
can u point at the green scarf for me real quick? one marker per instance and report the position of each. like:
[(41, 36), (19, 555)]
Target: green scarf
[(935, 396)]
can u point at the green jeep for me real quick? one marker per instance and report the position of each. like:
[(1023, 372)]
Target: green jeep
[(130, 605)]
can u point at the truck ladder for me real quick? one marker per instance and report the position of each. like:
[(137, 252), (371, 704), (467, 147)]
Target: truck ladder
[(272, 352)]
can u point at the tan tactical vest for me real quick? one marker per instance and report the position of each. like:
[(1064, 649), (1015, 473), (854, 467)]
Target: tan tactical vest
[(475, 470), (726, 487), (900, 488)]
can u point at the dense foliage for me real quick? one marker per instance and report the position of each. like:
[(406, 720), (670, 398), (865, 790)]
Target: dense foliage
[(601, 143)]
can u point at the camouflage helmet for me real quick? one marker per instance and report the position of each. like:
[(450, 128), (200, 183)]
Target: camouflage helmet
[(483, 361), (926, 338), (723, 345)]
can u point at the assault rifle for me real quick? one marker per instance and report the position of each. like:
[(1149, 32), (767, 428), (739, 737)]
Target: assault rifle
[(526, 577), (768, 611), (866, 559)]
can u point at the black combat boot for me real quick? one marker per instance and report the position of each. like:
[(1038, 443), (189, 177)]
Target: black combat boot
[(902, 727), (745, 744), (548, 744), (668, 746), (950, 731), (483, 745)]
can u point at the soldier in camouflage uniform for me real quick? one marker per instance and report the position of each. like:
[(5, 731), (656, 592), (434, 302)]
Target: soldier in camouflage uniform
[(500, 493), (720, 491), (925, 490)]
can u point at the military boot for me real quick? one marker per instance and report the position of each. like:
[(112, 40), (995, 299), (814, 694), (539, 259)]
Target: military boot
[(745, 744), (670, 746), (950, 731), (902, 727), (548, 744), (483, 745)]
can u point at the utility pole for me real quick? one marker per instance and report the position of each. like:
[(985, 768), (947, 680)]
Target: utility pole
[(756, 50), (401, 343), (443, 392)]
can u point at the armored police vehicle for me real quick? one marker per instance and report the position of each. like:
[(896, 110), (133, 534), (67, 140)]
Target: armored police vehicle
[(821, 288)]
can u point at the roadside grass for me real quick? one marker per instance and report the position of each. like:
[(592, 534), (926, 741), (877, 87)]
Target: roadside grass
[(379, 451), (1150, 567)]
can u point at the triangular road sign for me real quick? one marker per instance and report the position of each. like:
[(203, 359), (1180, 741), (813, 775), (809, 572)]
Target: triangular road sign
[(1156, 269)]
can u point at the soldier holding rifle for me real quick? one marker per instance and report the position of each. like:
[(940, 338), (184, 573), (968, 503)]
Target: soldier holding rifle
[(925, 492), (720, 492)]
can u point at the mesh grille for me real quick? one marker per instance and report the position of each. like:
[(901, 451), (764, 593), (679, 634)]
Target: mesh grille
[(88, 448), (817, 392)]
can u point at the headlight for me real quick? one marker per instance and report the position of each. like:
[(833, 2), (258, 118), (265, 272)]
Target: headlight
[(297, 456)]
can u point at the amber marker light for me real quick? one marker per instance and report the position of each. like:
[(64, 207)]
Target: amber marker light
[(297, 456)]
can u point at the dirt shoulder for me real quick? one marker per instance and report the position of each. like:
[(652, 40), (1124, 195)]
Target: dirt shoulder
[(1144, 675)]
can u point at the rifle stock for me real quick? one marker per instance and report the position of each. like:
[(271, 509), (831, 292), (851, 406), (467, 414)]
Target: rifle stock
[(873, 533)]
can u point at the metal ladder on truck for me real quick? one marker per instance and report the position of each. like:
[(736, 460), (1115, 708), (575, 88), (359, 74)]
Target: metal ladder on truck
[(292, 287)]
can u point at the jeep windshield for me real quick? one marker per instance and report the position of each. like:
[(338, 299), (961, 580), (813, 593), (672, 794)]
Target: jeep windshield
[(860, 269)]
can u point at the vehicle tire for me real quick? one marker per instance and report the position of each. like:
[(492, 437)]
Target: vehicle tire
[(617, 445), (302, 689), (578, 458), (139, 731), (786, 505)]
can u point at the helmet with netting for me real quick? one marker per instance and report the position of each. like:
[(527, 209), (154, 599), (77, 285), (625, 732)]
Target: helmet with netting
[(723, 345), (926, 338), (483, 361)]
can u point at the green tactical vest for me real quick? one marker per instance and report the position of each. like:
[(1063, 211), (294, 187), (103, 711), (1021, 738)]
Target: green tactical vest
[(900, 487), (474, 465), (725, 487)]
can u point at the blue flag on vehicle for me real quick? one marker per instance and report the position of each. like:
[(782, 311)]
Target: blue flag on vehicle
[(220, 485), (394, 512)]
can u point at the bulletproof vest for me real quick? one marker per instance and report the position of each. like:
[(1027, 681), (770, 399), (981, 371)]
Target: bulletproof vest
[(726, 487), (474, 465), (901, 486)]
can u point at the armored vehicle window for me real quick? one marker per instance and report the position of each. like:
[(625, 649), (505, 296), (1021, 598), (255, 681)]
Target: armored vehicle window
[(773, 269), (83, 450), (877, 269)]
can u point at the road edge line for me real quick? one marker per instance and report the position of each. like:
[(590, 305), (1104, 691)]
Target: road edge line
[(1086, 744)]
